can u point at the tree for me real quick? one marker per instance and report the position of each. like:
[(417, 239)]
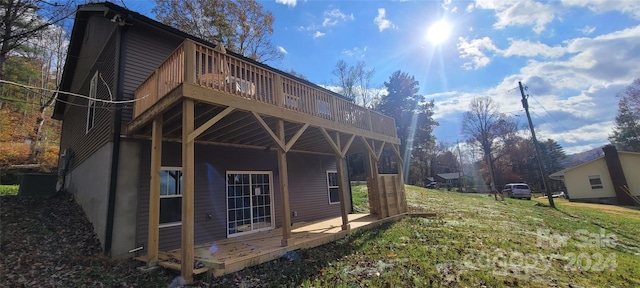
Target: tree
[(414, 121), (24, 20), (297, 74), (626, 134), (243, 26), (355, 82), (485, 127), (346, 79)]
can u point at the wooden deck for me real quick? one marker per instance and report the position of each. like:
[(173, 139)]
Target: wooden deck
[(234, 254)]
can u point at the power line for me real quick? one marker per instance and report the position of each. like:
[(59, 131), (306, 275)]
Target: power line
[(545, 109), (75, 94)]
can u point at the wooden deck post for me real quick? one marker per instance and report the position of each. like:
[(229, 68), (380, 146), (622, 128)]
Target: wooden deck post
[(154, 191), (373, 181), (342, 190), (284, 187), (188, 181), (189, 61), (400, 178)]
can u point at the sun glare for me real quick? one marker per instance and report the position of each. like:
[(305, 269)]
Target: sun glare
[(439, 32)]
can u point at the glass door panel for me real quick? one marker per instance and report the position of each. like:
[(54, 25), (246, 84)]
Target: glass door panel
[(249, 198)]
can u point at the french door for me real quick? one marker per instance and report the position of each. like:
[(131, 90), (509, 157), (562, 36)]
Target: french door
[(249, 202)]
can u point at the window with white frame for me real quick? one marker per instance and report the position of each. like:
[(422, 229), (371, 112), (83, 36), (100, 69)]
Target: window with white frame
[(91, 105), (332, 184), (170, 196), (595, 181)]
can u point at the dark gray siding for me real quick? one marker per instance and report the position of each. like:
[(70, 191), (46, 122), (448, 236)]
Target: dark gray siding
[(307, 176), (147, 48), (74, 135), (308, 191)]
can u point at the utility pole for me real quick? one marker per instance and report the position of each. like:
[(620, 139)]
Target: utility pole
[(525, 105), (460, 178)]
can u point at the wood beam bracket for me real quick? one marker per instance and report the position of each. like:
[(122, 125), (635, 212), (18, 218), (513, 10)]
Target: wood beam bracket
[(295, 137), (336, 145), (208, 124), (267, 129)]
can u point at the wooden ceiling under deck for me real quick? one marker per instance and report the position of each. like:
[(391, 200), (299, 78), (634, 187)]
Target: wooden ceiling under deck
[(241, 129)]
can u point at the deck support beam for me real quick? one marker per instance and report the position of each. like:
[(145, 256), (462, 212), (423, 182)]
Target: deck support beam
[(188, 184), (402, 203), (284, 185), (373, 180), (154, 191)]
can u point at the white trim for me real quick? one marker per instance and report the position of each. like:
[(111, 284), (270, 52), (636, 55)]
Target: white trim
[(329, 187), (91, 105), (271, 203), (171, 224)]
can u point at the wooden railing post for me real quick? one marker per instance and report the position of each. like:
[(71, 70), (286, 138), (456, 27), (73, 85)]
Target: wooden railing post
[(369, 120), (277, 90), (189, 61)]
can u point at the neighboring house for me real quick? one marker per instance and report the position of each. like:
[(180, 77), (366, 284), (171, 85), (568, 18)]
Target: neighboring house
[(451, 179), (169, 141), (602, 180)]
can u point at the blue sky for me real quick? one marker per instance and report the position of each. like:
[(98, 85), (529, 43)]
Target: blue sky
[(574, 55)]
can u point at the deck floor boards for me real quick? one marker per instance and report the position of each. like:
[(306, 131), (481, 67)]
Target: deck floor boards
[(235, 253)]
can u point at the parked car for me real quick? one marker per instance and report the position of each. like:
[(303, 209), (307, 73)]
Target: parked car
[(517, 190), (432, 185)]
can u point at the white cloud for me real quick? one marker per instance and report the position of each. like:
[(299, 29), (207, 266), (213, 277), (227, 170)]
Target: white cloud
[(454, 10), (318, 34), (334, 16), (630, 7), (478, 51), (532, 49), (587, 30), (519, 13), (355, 52), (445, 4), (282, 50), (381, 21), (290, 3), (470, 8), (475, 51), (573, 96)]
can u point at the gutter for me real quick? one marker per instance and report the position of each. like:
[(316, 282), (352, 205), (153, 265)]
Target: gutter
[(117, 130)]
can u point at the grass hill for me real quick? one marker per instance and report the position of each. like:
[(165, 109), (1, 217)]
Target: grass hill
[(474, 241)]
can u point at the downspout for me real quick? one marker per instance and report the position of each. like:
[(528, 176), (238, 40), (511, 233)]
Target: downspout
[(117, 130)]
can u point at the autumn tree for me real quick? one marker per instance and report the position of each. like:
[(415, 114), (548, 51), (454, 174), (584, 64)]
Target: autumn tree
[(414, 121), (24, 20), (243, 26), (487, 129), (626, 133)]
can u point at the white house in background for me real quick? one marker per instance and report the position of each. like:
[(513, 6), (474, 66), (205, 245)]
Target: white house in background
[(593, 181)]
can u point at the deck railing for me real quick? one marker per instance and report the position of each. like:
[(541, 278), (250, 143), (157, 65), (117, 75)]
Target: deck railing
[(214, 69)]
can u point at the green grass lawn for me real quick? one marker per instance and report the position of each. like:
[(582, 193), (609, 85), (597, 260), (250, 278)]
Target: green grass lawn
[(8, 190), (475, 241)]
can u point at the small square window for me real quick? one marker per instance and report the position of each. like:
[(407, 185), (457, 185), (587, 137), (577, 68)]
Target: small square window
[(596, 182)]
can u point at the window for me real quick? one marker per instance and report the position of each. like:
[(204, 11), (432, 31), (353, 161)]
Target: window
[(91, 105), (170, 196), (595, 181), (332, 183)]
